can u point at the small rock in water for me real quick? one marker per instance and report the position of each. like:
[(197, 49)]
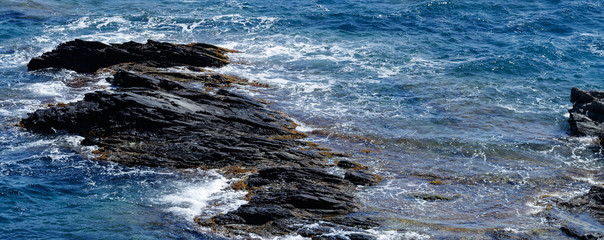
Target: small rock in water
[(362, 177), (348, 164)]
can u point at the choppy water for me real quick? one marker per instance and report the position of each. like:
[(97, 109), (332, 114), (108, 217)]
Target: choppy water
[(473, 94)]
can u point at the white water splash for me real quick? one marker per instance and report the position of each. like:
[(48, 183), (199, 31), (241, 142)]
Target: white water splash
[(207, 198)]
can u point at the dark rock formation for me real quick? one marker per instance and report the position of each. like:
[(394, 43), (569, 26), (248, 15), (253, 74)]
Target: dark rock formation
[(87, 57), (587, 114), (156, 122), (349, 165), (362, 177), (300, 191), (573, 232), (280, 195), (152, 118)]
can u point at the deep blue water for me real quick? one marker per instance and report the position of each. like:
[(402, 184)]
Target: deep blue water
[(472, 93)]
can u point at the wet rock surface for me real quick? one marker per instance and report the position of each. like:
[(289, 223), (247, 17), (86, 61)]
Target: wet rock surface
[(151, 117), (587, 115), (592, 203), (362, 177), (572, 232)]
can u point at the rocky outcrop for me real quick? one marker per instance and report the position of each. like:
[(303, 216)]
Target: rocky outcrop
[(87, 56), (151, 117), (156, 122), (587, 114)]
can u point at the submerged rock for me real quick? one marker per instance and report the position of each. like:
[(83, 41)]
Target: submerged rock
[(587, 115), (151, 118), (592, 203)]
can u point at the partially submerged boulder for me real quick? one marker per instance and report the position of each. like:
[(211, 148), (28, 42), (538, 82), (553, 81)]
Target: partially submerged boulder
[(152, 118), (587, 115)]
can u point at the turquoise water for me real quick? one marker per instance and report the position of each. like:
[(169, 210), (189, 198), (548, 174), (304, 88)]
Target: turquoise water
[(471, 93)]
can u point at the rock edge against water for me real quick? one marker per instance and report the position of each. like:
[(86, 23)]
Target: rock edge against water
[(152, 117), (587, 115), (586, 118)]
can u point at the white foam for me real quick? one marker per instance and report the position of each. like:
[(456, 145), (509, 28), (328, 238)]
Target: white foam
[(190, 27), (292, 237), (387, 72), (119, 37), (533, 208), (589, 34), (5, 113), (34, 144), (393, 235), (383, 235), (192, 199), (18, 57), (597, 49), (103, 22), (590, 180), (81, 23), (52, 89), (303, 127)]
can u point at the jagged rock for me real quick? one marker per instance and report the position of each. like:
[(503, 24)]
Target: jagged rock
[(358, 222), (312, 232), (297, 176), (511, 234), (362, 177), (592, 202), (348, 164), (573, 232), (360, 236), (304, 192), (87, 56), (151, 117), (256, 215), (156, 122), (587, 114)]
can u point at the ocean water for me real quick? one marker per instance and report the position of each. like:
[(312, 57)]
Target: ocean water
[(462, 99)]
